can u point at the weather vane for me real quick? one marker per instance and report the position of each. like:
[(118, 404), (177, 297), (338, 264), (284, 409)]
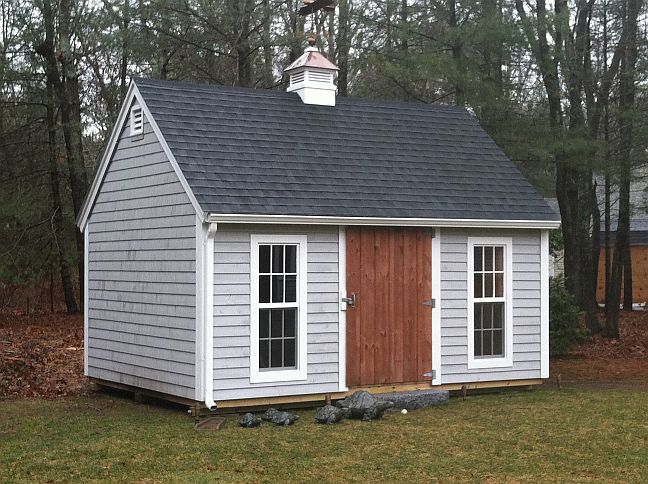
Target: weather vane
[(312, 6)]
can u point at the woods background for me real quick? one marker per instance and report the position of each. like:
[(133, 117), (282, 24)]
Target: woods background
[(560, 85)]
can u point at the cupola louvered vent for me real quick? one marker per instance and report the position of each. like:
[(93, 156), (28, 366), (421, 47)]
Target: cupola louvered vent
[(315, 76), (297, 77), (136, 120)]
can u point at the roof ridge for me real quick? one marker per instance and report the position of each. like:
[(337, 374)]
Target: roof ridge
[(252, 91)]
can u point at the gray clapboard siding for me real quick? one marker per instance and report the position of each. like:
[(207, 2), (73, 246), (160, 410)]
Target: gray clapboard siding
[(454, 312), (142, 272), (232, 313)]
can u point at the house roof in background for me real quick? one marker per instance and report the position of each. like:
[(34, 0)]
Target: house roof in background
[(261, 152)]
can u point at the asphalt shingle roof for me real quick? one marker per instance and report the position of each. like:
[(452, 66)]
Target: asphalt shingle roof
[(247, 151)]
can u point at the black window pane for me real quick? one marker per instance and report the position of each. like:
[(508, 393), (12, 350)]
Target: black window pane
[(478, 315), (488, 258), (264, 258), (276, 350), (478, 259), (277, 289), (291, 258), (276, 325), (290, 355), (291, 288), (498, 343), (478, 348), (264, 289), (499, 258), (264, 354), (264, 323), (487, 348), (498, 315), (479, 285), (499, 285), (290, 322), (277, 258), (488, 284), (487, 315)]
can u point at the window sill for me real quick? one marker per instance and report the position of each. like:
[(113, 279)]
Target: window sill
[(277, 376), (487, 363)]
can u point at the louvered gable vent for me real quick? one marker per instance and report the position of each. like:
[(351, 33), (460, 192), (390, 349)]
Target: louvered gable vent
[(136, 120)]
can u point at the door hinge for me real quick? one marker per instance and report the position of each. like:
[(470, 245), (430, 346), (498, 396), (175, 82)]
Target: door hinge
[(430, 302), (351, 301), (430, 374)]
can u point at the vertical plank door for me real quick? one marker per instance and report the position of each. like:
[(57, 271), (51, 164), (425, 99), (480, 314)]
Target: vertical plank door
[(389, 331)]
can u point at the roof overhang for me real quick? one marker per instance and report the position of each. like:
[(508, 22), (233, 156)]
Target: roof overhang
[(382, 221)]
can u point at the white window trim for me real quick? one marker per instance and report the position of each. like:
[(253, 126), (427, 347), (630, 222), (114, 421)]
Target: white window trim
[(269, 375), (507, 359), (139, 130)]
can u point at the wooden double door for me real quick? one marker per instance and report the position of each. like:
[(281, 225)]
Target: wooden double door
[(389, 329)]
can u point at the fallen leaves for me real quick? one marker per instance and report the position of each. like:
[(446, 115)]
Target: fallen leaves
[(41, 355), (633, 343)]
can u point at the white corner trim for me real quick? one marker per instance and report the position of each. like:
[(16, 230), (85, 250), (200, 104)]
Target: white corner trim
[(382, 221), (342, 386), (208, 232), (86, 290), (200, 311), (495, 362), (544, 304), (132, 94), (301, 372), (436, 310)]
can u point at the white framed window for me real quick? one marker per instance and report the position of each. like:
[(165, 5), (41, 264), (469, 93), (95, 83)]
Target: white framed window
[(278, 332), (490, 302), (136, 120)]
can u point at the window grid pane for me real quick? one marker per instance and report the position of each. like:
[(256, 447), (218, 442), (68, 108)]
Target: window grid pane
[(489, 330), (489, 313), (278, 325)]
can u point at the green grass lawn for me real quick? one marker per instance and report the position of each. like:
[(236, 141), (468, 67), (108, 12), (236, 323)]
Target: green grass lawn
[(544, 435)]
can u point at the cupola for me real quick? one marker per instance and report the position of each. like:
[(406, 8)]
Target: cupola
[(312, 77)]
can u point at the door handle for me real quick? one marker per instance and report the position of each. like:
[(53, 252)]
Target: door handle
[(351, 301)]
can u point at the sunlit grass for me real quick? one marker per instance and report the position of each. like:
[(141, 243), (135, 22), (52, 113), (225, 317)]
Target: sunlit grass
[(539, 436)]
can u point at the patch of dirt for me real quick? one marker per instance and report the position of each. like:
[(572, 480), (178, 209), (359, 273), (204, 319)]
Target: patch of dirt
[(609, 363), (633, 343), (41, 355)]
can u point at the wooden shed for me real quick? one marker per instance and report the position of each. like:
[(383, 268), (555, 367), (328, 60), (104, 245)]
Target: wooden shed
[(250, 247)]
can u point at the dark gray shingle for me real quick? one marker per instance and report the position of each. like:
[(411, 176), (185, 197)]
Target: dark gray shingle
[(246, 151)]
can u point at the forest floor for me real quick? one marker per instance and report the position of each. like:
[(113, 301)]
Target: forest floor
[(41, 355)]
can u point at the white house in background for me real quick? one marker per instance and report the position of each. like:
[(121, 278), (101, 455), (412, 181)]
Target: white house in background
[(251, 247)]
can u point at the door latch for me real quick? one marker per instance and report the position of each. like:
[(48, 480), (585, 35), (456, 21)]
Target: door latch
[(351, 301), (430, 302)]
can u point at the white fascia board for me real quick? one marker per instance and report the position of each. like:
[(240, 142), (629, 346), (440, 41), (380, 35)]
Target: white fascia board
[(383, 221), (133, 93)]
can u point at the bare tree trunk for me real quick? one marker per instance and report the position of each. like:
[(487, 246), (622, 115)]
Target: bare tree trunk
[(627, 278), (57, 224), (627, 77), (457, 54), (72, 128), (343, 47), (268, 78)]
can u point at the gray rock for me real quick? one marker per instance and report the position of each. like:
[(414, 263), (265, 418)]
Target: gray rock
[(329, 414), (278, 417), (365, 406), (416, 399), (249, 421)]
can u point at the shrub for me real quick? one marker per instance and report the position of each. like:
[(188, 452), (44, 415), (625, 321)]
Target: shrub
[(565, 330)]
